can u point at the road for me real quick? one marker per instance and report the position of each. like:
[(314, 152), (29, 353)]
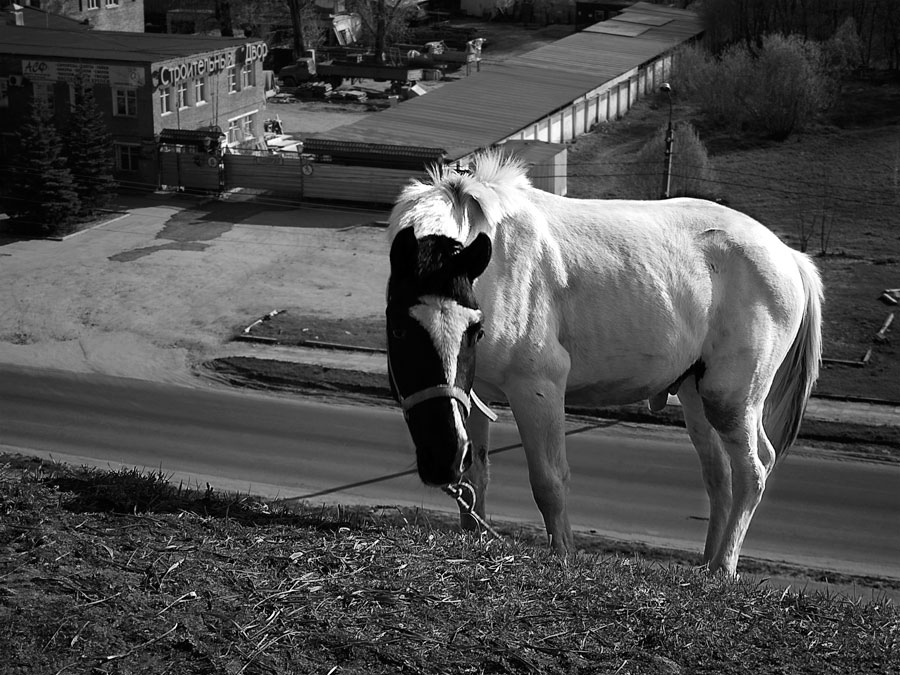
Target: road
[(628, 482)]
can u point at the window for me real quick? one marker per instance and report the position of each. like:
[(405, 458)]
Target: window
[(248, 76), (44, 91), (4, 92), (232, 80), (240, 129), (93, 4), (126, 103), (247, 127), (199, 90), (127, 157), (165, 100), (112, 3), (181, 95)]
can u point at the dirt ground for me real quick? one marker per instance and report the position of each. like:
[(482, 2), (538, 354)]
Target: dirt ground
[(154, 291)]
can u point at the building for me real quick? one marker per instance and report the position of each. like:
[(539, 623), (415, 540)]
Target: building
[(185, 93), (119, 15), (552, 94)]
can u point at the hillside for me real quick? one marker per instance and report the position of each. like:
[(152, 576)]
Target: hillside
[(124, 573)]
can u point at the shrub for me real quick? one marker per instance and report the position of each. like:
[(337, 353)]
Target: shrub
[(692, 70), (789, 88), (776, 90), (691, 173)]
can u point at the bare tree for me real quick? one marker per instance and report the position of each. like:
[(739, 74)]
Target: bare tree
[(384, 22)]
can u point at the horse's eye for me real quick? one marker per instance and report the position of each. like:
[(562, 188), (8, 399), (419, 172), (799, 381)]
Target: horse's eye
[(475, 333)]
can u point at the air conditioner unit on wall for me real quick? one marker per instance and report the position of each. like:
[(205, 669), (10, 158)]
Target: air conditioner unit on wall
[(16, 81)]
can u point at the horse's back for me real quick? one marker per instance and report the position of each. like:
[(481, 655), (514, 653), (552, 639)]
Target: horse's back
[(646, 283)]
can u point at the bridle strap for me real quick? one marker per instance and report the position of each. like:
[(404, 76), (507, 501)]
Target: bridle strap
[(483, 407), (438, 391), (443, 391)]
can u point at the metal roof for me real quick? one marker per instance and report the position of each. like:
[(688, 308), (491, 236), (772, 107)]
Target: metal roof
[(101, 45), (486, 107)]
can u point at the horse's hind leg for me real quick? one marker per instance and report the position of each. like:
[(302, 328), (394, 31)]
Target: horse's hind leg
[(478, 474), (714, 464), (751, 458)]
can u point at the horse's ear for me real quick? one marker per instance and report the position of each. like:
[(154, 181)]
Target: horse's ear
[(475, 257), (404, 252)]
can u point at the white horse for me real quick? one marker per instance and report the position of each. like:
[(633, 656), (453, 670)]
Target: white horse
[(597, 302)]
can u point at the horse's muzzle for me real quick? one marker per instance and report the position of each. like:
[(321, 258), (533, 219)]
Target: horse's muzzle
[(436, 471)]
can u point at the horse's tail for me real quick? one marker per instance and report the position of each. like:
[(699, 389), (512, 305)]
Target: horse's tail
[(794, 380)]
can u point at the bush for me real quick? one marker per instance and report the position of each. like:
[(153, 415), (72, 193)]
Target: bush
[(691, 174), (779, 89), (790, 87), (692, 70)]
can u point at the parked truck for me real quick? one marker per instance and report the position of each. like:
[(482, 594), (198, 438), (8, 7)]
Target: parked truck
[(335, 68)]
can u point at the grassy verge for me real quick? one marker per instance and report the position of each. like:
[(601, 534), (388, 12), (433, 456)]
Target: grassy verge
[(124, 572)]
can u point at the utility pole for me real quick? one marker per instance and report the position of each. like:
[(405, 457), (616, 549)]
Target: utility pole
[(670, 141)]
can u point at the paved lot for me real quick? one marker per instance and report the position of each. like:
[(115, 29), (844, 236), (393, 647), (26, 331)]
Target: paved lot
[(163, 286)]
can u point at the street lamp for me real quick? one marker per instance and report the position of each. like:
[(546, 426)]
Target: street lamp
[(670, 141)]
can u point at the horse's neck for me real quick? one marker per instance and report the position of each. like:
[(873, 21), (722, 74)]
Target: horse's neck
[(526, 244)]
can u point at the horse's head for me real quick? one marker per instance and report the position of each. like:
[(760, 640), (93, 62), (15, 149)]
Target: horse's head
[(433, 326)]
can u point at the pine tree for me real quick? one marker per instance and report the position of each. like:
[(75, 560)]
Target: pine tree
[(90, 151), (43, 181)]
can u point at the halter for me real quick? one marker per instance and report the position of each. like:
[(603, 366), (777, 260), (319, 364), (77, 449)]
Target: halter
[(444, 391)]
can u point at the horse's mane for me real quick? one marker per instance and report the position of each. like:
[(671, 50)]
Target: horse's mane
[(497, 193), (460, 205)]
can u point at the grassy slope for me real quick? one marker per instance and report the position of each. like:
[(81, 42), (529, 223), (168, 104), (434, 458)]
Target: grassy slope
[(123, 573)]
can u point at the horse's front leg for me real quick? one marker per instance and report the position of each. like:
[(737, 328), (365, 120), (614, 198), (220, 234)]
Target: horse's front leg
[(538, 406), (478, 474)]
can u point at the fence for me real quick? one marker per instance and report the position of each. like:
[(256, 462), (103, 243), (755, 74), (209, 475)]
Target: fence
[(290, 174)]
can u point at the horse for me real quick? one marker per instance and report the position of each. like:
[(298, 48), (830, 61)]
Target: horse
[(596, 302)]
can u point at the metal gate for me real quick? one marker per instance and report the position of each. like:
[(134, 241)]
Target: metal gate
[(190, 171), (191, 159)]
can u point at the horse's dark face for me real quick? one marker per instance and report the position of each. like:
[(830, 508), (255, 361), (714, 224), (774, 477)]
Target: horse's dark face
[(433, 326)]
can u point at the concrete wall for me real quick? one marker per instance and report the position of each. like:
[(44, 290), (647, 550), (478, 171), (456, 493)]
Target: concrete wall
[(606, 103)]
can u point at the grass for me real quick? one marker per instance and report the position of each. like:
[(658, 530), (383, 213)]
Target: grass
[(123, 572)]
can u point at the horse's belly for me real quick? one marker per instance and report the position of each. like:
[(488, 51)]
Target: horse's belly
[(609, 393), (627, 378)]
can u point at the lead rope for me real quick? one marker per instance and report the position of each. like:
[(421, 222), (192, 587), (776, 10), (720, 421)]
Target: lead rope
[(457, 491)]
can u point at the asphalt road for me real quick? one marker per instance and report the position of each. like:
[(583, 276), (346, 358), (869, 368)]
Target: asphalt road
[(629, 482)]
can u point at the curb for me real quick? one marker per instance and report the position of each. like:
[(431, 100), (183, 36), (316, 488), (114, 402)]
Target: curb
[(316, 344), (874, 441)]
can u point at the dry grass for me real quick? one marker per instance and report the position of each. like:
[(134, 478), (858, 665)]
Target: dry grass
[(124, 573)]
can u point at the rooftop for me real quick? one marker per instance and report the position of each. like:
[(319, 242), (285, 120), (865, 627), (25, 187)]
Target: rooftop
[(99, 45), (486, 107)]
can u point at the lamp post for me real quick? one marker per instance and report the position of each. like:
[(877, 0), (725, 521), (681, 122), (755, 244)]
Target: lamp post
[(670, 141)]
